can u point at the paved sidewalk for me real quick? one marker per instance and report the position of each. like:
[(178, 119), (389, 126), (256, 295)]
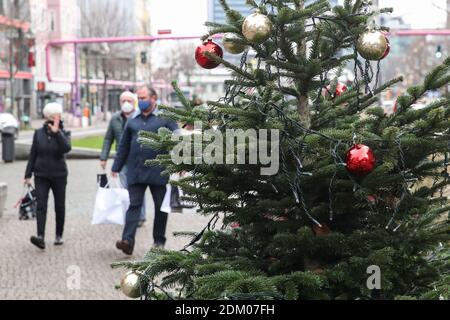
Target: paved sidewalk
[(27, 273)]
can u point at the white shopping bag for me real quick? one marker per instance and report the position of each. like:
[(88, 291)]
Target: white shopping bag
[(111, 205), (166, 203), (166, 206)]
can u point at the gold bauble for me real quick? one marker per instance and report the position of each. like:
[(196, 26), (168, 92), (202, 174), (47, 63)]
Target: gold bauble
[(230, 44), (257, 28), (130, 285), (373, 45)]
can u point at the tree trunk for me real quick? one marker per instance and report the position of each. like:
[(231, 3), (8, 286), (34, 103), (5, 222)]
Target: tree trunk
[(303, 111), (303, 100)]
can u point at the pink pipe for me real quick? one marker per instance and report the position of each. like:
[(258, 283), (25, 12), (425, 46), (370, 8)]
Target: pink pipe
[(97, 81), (54, 43)]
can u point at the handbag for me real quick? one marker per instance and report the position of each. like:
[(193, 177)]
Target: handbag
[(28, 204)]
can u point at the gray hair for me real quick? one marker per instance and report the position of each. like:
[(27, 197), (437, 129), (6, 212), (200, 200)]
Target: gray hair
[(51, 109), (128, 94)]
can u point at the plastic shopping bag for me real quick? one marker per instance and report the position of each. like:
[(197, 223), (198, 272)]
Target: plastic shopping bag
[(111, 205), (166, 203)]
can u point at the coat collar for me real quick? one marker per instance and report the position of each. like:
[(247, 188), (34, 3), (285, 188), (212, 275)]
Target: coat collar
[(138, 113)]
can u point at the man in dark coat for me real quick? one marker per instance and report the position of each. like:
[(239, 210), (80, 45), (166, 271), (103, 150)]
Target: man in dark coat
[(139, 176)]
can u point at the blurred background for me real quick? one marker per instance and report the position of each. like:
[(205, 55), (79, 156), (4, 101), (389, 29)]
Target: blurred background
[(88, 78)]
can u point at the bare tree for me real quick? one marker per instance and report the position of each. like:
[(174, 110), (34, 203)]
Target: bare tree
[(179, 61), (107, 18), (183, 62)]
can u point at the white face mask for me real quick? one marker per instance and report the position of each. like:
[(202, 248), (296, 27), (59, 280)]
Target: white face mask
[(127, 107)]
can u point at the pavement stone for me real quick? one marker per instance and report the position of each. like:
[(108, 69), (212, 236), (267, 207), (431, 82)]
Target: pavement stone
[(30, 274)]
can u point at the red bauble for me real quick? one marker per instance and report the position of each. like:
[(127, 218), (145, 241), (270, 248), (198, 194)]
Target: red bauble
[(388, 48), (372, 199), (360, 160), (202, 59)]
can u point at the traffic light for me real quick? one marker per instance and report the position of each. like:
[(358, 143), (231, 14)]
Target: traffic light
[(144, 57)]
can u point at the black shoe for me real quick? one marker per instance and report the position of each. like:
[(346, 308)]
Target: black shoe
[(59, 241), (38, 242)]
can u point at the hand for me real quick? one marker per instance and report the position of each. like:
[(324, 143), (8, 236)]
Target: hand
[(103, 164), (55, 127), (27, 182), (114, 175)]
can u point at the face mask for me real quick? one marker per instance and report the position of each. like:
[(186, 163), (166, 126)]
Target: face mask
[(127, 107), (144, 105)]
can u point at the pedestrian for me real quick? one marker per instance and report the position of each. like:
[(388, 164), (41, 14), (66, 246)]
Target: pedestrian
[(116, 126), (48, 164), (140, 177)]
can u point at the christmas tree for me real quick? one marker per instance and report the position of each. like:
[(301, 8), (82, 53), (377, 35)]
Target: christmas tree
[(358, 191)]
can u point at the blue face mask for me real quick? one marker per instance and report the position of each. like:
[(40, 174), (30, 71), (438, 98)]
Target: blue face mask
[(144, 105)]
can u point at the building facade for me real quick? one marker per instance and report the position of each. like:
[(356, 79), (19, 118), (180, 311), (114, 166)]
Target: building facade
[(54, 20), (16, 58)]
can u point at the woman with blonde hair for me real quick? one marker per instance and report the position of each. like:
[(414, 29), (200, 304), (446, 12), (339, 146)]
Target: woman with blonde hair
[(48, 164)]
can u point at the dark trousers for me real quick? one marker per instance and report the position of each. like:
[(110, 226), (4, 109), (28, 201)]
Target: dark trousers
[(137, 194), (58, 187)]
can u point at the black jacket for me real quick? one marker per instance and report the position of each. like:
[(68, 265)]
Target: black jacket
[(47, 156)]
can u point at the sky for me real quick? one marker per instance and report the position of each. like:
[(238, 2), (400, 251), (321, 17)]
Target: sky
[(187, 17), (183, 17), (421, 14)]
